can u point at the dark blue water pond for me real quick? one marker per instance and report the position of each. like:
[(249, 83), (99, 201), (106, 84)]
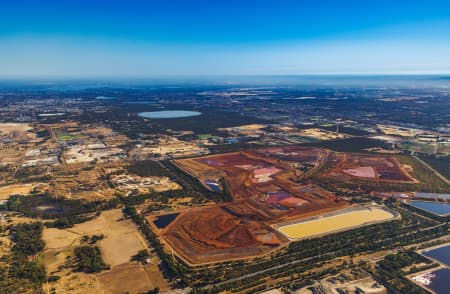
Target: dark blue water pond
[(441, 254), (213, 185), (441, 283), (163, 221)]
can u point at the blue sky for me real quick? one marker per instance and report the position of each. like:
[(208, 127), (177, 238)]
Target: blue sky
[(162, 38)]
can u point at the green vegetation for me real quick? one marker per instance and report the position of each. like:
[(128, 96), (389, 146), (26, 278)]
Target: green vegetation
[(351, 144), (441, 164), (67, 222), (416, 147), (27, 239), (92, 239), (204, 136), (66, 137), (21, 273), (89, 259), (346, 130), (142, 255), (148, 168), (429, 182), (225, 148), (225, 191), (45, 206), (391, 272)]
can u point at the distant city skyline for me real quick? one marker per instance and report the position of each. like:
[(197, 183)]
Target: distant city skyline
[(189, 38)]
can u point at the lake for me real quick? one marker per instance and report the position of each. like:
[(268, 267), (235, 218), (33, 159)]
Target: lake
[(441, 254), (169, 114), (163, 221), (441, 209)]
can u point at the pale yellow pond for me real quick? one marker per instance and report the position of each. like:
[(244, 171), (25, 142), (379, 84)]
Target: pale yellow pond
[(335, 223)]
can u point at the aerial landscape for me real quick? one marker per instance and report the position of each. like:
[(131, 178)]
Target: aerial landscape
[(201, 156)]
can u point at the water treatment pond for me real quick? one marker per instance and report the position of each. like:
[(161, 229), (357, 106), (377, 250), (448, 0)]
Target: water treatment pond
[(438, 208), (442, 254), (163, 221)]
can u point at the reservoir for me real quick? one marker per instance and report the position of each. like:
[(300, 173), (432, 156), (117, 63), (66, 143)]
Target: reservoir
[(169, 114), (441, 254), (441, 209)]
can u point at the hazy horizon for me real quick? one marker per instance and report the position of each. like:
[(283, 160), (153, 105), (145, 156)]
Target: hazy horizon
[(142, 39)]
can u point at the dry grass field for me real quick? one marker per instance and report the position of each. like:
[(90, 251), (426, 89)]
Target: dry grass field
[(132, 278), (120, 243), (23, 189)]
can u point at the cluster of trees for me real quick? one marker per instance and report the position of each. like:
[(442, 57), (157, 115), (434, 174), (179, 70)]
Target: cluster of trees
[(351, 144), (67, 222), (148, 168), (89, 259), (142, 256), (22, 274), (92, 239), (27, 239), (441, 164)]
